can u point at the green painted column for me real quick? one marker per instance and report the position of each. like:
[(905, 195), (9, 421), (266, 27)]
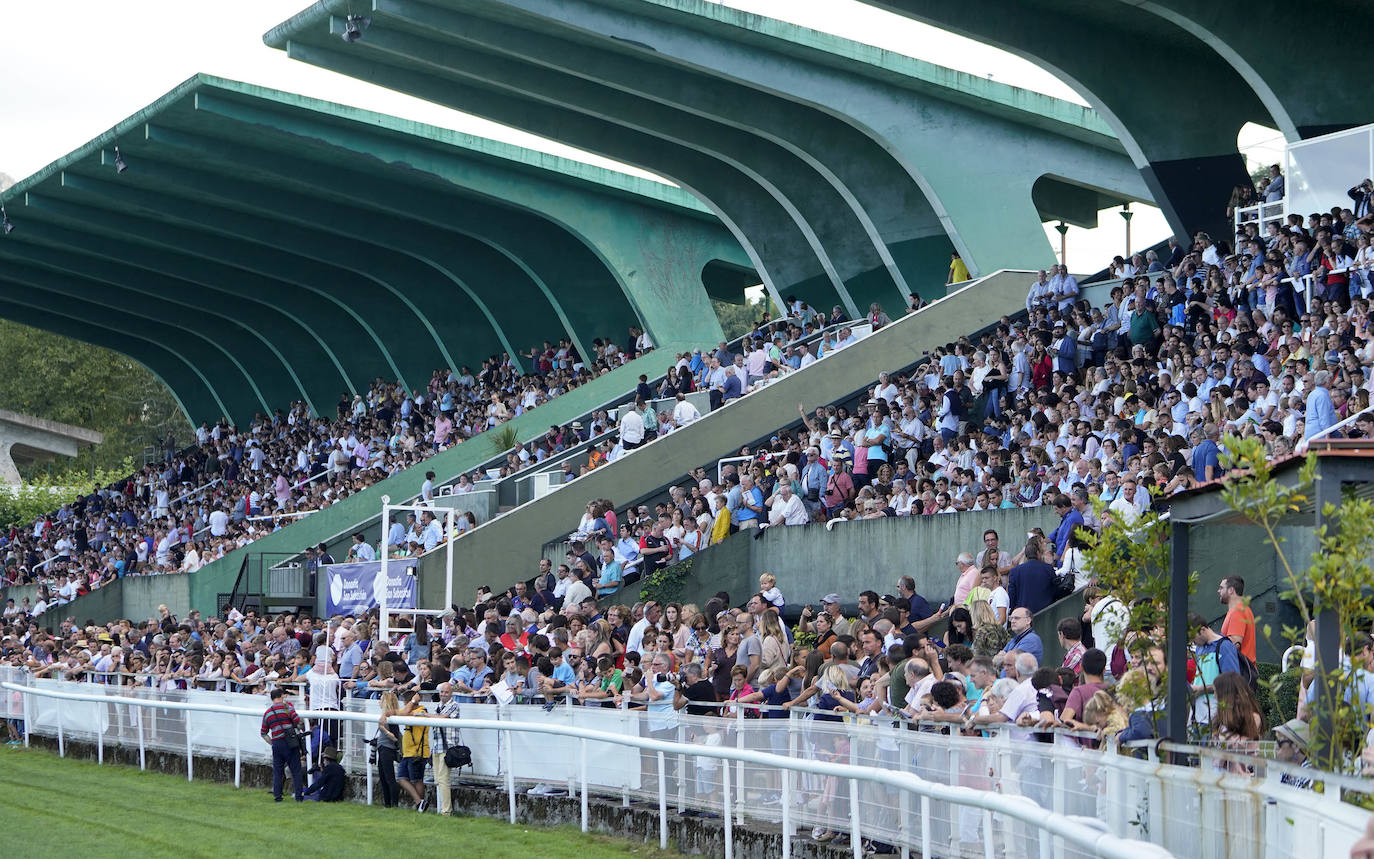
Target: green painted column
[(189, 387)]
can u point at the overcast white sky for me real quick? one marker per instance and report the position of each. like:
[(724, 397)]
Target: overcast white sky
[(73, 68)]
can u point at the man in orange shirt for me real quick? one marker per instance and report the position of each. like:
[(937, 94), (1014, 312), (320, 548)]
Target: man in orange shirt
[(1239, 625)]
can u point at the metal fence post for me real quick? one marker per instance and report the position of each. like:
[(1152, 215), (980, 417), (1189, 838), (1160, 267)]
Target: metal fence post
[(787, 806), (142, 760), (510, 771), (925, 826), (725, 809), (583, 755), (681, 769), (856, 840), (100, 739), (61, 738), (238, 737), (662, 802), (987, 835), (190, 756), (739, 768), (28, 720)]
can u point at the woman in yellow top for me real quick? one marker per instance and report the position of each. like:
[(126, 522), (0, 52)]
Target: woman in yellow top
[(721, 529), (414, 753), (958, 271)]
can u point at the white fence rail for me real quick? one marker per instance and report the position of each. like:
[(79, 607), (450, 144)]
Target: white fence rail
[(917, 790)]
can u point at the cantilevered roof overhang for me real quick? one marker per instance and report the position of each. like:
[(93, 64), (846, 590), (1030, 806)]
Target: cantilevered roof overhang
[(262, 248), (847, 172)]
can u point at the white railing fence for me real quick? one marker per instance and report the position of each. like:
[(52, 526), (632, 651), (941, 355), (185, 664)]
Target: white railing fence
[(864, 781), (875, 779)]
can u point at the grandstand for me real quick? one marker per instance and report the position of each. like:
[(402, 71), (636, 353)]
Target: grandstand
[(778, 583)]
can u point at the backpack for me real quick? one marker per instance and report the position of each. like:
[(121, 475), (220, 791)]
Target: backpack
[(1248, 669)]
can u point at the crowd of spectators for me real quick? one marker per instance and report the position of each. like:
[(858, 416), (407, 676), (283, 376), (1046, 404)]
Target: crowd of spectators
[(235, 485)]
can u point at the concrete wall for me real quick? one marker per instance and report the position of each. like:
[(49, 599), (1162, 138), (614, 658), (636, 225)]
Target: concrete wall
[(811, 562), (133, 597), (18, 592), (511, 544)]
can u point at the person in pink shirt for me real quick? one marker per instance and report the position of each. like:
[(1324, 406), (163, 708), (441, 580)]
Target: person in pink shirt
[(968, 577)]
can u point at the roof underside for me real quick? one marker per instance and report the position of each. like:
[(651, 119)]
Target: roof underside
[(263, 248)]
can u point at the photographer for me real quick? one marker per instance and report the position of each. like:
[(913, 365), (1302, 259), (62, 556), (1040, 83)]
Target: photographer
[(281, 726), (659, 695)]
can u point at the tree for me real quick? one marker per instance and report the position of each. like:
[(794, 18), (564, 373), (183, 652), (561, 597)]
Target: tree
[(1337, 581), (57, 378)]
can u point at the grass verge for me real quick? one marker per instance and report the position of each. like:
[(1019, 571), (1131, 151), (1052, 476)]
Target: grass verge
[(50, 806)]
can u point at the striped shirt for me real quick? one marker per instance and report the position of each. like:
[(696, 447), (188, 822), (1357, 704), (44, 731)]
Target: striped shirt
[(278, 718)]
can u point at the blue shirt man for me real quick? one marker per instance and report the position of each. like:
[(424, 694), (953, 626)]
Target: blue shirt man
[(1070, 519), (1320, 415), (733, 388), (1206, 455), (1023, 638)]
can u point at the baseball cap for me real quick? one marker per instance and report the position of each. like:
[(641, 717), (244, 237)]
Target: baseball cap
[(830, 598)]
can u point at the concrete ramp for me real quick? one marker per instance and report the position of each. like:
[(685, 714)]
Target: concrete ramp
[(508, 547)]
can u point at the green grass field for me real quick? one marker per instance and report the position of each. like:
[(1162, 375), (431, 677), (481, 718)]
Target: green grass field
[(55, 807)]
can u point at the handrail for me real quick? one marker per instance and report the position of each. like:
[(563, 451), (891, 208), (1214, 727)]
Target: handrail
[(1302, 445), (1073, 830)]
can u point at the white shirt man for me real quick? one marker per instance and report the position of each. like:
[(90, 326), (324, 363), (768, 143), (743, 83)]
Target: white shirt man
[(67, 592), (685, 413), (577, 592), (788, 509), (219, 523), (433, 535), (631, 427)]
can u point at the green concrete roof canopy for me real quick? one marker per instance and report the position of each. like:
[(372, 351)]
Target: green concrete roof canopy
[(1177, 79), (849, 173), (263, 247)]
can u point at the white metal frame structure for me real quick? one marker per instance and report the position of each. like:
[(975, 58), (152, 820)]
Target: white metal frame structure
[(384, 610)]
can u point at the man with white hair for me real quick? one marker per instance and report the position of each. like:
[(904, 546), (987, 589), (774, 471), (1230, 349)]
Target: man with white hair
[(788, 508), (1320, 414), (968, 577), (631, 427)]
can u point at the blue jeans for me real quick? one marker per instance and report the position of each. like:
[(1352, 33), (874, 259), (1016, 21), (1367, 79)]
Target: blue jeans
[(284, 755)]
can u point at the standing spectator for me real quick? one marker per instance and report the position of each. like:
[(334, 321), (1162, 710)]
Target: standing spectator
[(1274, 193), (280, 725), (1239, 624), (1320, 414), (443, 784), (415, 752), (1032, 583), (388, 743)]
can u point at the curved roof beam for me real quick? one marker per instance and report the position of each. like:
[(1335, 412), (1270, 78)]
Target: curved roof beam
[(354, 367), (510, 304), (115, 286), (332, 259), (1184, 145), (667, 100), (187, 386), (232, 393), (524, 215), (1302, 103), (776, 244), (193, 234)]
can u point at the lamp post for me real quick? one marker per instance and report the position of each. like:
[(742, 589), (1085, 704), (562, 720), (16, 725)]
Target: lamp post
[(1126, 214), (1063, 230)]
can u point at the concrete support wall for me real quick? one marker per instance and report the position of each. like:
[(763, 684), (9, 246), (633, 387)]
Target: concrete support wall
[(811, 562)]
